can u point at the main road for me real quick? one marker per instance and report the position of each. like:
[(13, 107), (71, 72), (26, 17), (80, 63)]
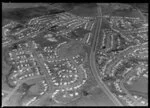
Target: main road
[(92, 59)]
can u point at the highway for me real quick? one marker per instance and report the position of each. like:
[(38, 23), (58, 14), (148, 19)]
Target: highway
[(92, 61)]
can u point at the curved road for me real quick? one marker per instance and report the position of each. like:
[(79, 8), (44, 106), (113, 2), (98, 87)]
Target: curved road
[(92, 60)]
